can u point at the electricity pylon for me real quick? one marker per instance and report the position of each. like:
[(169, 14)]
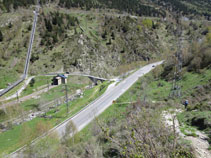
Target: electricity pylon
[(176, 86)]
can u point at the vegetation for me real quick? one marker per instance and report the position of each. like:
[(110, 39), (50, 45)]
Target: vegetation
[(36, 83), (62, 35), (186, 7), (36, 104), (108, 38), (26, 132), (123, 130)]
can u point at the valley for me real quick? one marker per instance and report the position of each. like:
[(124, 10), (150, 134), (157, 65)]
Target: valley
[(96, 78)]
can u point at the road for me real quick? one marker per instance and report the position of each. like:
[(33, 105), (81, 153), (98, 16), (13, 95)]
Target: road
[(101, 104), (91, 111)]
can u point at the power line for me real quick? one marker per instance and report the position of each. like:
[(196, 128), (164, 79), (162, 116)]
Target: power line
[(176, 86)]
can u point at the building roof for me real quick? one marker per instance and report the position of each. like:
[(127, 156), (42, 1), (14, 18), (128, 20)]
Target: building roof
[(62, 76)]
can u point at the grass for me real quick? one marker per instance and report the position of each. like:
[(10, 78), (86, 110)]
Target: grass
[(39, 81), (197, 116), (74, 83), (12, 139), (51, 95), (33, 104), (13, 91), (157, 90), (6, 77), (191, 80), (188, 117), (160, 89), (117, 109), (188, 130)]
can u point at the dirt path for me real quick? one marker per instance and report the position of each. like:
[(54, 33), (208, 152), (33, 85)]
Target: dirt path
[(199, 144)]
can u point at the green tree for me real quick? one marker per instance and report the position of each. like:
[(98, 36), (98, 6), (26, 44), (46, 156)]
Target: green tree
[(32, 82)]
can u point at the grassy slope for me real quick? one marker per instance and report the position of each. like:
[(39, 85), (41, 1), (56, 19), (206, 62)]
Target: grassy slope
[(154, 92), (39, 81), (45, 97), (13, 139)]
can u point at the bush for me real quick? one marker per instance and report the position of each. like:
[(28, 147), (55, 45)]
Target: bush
[(2, 113), (148, 23), (32, 82)]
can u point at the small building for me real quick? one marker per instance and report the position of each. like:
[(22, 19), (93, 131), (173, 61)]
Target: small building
[(59, 79)]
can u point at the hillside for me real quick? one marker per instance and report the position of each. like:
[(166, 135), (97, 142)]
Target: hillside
[(107, 39), (139, 7), (77, 40)]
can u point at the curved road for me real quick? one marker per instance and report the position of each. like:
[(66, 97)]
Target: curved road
[(86, 115)]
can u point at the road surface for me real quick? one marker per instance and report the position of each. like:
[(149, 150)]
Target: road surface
[(86, 115), (101, 104)]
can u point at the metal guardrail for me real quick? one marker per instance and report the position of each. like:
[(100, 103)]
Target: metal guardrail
[(11, 86), (75, 74)]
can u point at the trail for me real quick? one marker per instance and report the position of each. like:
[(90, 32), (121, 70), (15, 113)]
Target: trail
[(199, 143)]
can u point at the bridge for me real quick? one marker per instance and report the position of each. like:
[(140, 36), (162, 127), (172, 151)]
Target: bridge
[(94, 79)]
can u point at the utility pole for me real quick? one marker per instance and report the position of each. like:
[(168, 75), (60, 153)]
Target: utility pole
[(66, 95), (17, 96), (48, 84)]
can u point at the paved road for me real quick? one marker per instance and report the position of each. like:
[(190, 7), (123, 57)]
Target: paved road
[(85, 116), (101, 104)]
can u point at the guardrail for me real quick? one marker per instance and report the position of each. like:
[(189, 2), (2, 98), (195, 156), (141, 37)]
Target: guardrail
[(11, 86)]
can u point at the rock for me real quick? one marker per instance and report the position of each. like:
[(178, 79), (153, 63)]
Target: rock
[(78, 92)]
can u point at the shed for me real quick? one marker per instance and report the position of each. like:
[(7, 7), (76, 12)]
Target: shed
[(59, 79)]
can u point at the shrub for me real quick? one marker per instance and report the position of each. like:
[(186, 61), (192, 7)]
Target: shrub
[(32, 82), (148, 23)]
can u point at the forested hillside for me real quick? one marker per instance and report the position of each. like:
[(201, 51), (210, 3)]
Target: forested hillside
[(90, 42), (139, 7), (111, 37)]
